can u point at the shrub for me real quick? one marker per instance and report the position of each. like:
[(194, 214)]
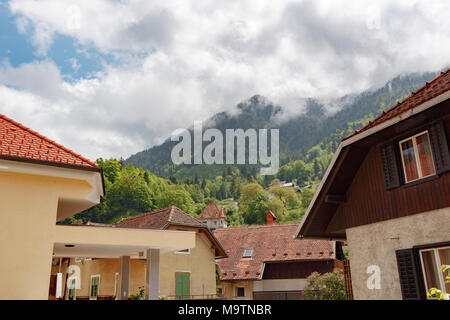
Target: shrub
[(327, 286)]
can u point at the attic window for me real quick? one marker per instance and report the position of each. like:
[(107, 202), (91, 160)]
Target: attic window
[(247, 253), (417, 158)]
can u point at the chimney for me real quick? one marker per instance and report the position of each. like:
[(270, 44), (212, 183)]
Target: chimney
[(271, 218)]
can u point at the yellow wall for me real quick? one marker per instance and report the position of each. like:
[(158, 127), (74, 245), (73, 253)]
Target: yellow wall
[(200, 263), (28, 207), (229, 290)]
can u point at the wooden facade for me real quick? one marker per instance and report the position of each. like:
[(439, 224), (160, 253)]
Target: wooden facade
[(369, 201), (358, 181), (299, 269)]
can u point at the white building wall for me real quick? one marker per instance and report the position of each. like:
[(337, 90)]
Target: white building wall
[(375, 245)]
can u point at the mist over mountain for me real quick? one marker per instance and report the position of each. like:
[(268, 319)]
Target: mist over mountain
[(316, 120)]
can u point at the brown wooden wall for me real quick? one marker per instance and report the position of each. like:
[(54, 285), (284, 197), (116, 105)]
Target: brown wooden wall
[(368, 201), (299, 269)]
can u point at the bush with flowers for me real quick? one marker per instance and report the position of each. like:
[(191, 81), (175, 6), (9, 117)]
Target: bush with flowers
[(327, 286)]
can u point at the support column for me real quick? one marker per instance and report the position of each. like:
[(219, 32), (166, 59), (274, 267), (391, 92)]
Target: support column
[(152, 274), (124, 276)]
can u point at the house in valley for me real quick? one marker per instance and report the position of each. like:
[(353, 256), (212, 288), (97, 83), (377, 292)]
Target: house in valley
[(42, 183), (387, 193), (184, 274), (213, 217), (266, 262)]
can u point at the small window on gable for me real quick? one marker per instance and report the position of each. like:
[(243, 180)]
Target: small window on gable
[(247, 253), (417, 157), (240, 292)]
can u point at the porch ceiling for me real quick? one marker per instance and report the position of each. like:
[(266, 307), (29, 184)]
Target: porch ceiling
[(104, 242)]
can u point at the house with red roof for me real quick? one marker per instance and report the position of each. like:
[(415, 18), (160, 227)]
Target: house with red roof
[(184, 274), (387, 193), (42, 183), (213, 217), (266, 262)]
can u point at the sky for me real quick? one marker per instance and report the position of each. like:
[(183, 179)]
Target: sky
[(111, 78)]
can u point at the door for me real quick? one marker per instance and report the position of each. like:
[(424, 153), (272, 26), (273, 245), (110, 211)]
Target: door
[(182, 285)]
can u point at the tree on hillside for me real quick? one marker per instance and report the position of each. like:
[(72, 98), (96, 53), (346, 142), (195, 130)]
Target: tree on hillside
[(128, 193), (176, 197), (257, 209), (285, 195), (249, 193), (111, 168)]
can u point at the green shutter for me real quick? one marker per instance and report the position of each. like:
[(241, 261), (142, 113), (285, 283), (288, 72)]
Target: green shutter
[(182, 283)]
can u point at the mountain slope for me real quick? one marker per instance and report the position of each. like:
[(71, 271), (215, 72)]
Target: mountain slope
[(297, 135)]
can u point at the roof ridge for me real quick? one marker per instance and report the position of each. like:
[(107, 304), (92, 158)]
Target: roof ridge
[(259, 226), (171, 213), (48, 140), (141, 215)]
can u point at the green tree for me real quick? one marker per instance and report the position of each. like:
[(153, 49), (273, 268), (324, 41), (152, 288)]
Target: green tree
[(257, 209), (248, 194), (111, 168), (128, 193), (285, 195), (176, 197)]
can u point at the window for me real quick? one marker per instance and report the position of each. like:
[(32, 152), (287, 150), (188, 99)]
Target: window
[(219, 292), (185, 251), (432, 260), (72, 289), (93, 292), (240, 292), (247, 253), (116, 284), (417, 158)]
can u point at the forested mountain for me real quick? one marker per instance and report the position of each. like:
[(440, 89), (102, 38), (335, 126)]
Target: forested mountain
[(297, 135), (307, 144)]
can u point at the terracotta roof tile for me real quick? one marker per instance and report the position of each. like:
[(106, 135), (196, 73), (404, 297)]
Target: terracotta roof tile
[(269, 243), (211, 211), (430, 90), (19, 141), (158, 219)]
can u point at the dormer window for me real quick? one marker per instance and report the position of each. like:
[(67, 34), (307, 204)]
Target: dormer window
[(247, 253), (417, 158)]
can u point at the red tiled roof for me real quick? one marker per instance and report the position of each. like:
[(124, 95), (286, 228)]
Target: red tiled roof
[(269, 243), (211, 212), (163, 218), (430, 90), (18, 141), (158, 219)]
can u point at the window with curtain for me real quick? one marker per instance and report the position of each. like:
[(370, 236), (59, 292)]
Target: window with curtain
[(417, 158), (432, 260)]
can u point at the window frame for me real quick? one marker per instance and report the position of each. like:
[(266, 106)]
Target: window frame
[(91, 297), (237, 291), (251, 253), (437, 258), (413, 138), (116, 284), (72, 288), (183, 251)]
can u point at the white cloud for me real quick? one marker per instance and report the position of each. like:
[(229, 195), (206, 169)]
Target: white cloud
[(201, 57)]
